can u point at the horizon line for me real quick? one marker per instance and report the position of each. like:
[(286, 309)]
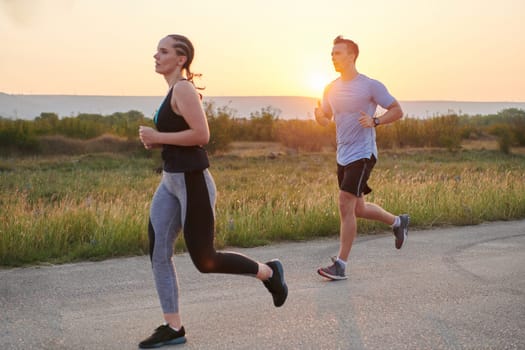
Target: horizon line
[(267, 96)]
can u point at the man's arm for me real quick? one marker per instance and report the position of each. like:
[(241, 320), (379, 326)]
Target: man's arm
[(320, 116), (323, 116), (393, 113)]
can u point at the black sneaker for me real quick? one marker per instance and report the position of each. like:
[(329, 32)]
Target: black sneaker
[(402, 230), (164, 335), (276, 284), (334, 272)]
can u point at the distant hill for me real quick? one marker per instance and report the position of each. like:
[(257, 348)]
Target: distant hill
[(290, 107), (30, 106)]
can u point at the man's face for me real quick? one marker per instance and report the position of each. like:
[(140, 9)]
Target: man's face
[(342, 58)]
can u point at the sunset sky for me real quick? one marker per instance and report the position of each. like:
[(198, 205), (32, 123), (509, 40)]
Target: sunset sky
[(463, 50)]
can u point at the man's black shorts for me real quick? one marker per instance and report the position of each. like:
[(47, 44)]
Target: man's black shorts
[(353, 177)]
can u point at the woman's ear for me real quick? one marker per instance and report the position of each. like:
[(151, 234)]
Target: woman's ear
[(182, 60)]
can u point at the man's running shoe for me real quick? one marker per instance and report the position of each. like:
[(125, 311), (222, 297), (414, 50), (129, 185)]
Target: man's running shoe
[(402, 230), (276, 284), (335, 272), (164, 335)]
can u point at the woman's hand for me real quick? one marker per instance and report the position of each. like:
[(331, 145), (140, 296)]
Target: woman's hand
[(147, 136)]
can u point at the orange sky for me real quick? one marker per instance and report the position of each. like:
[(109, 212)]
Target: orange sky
[(421, 49)]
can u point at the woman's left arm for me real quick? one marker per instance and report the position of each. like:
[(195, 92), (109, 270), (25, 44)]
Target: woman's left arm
[(184, 101)]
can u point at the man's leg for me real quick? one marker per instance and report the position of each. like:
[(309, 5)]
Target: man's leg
[(348, 223), (347, 233), (373, 211)]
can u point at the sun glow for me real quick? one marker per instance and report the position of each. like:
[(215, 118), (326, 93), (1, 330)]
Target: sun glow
[(317, 82), (279, 51)]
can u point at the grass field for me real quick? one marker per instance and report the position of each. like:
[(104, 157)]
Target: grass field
[(62, 209)]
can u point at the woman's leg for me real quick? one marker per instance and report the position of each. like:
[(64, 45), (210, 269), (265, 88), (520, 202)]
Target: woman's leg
[(199, 226), (195, 194), (165, 224)]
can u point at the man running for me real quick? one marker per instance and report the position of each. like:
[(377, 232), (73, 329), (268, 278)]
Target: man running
[(352, 100)]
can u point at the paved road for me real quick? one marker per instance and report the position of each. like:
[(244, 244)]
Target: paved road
[(453, 288)]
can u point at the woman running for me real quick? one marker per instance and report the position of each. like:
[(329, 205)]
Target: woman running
[(185, 197)]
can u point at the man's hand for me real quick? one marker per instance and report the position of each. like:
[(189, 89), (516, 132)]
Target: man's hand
[(319, 115), (366, 121)]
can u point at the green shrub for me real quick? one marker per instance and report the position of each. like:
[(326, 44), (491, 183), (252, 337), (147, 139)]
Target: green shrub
[(305, 135), (504, 135)]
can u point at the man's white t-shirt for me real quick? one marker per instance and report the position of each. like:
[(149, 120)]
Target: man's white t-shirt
[(347, 99)]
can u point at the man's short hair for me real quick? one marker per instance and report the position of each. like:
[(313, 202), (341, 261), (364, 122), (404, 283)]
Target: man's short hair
[(350, 45)]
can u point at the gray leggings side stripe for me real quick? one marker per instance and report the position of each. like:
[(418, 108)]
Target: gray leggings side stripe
[(187, 200)]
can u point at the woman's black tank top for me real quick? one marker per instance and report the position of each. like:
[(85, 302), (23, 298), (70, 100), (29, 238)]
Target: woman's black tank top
[(178, 159)]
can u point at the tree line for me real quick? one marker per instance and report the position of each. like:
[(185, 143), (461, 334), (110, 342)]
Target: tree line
[(49, 134)]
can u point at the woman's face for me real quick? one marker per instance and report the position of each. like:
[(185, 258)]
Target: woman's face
[(166, 59)]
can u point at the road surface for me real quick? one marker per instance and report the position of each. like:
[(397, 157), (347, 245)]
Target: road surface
[(448, 288)]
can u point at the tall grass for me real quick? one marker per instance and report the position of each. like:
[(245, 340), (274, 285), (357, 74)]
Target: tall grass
[(66, 209), (92, 207)]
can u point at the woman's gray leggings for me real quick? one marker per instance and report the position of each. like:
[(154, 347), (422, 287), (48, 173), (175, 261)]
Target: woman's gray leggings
[(187, 201)]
